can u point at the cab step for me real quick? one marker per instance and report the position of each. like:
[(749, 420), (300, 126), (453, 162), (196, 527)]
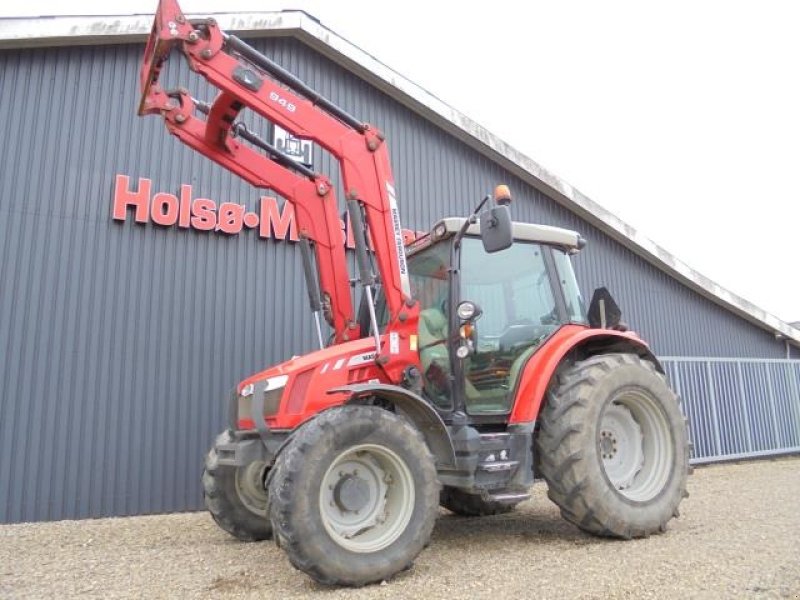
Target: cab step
[(498, 465), (510, 497)]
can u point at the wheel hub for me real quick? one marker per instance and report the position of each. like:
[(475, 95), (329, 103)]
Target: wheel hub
[(351, 493), (366, 498), (608, 444), (354, 494), (621, 446), (249, 482)]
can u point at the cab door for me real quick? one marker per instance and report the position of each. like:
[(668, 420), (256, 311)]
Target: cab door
[(514, 290), (429, 272)]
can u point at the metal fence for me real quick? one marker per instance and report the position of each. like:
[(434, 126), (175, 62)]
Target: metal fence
[(738, 408)]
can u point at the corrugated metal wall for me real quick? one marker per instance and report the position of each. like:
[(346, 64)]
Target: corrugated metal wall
[(119, 341), (738, 408)]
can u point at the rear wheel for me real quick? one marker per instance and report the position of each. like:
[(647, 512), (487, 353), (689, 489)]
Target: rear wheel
[(235, 496), (613, 447), (354, 496), (472, 505)]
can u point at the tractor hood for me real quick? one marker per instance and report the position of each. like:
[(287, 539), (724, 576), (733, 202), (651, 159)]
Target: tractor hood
[(297, 389), (341, 353)]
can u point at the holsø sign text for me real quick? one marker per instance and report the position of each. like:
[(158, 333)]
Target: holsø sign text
[(203, 214)]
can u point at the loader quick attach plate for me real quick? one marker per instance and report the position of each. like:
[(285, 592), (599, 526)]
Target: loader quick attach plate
[(169, 27)]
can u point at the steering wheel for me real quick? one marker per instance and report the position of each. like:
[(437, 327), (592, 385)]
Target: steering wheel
[(521, 323), (550, 318)]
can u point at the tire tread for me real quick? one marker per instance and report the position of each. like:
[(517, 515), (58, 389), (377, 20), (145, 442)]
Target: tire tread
[(221, 502), (563, 467), (288, 470)]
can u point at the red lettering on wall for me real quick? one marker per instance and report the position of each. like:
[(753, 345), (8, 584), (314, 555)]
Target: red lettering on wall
[(164, 210), (123, 198), (277, 224), (204, 219), (250, 220), (231, 218), (185, 216), (347, 234)]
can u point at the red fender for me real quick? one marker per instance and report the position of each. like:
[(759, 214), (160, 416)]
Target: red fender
[(540, 369)]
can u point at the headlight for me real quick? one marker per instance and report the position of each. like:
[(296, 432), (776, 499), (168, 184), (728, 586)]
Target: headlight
[(274, 383), (467, 310), (271, 389)]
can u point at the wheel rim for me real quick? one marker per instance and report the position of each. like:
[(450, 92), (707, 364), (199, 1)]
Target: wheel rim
[(366, 498), (249, 482), (635, 445)]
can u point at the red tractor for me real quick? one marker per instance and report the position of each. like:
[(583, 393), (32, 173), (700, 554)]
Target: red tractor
[(470, 368)]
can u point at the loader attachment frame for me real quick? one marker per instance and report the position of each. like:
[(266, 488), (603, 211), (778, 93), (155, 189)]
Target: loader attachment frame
[(249, 80)]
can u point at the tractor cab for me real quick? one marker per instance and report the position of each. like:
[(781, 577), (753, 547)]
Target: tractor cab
[(520, 308), (484, 314)]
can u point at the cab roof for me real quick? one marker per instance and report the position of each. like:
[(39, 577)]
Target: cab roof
[(528, 232)]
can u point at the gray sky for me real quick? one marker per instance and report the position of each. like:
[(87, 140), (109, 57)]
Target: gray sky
[(681, 117)]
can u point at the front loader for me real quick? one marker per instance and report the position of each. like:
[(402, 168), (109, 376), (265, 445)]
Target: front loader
[(470, 367)]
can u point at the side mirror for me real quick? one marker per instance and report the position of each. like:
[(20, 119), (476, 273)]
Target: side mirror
[(496, 233)]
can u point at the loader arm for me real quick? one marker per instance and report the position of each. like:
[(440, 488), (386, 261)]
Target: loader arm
[(247, 79)]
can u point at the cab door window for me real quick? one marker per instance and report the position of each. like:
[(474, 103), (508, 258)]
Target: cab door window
[(430, 283), (513, 289)]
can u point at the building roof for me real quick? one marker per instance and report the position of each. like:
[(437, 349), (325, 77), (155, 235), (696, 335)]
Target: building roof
[(85, 30)]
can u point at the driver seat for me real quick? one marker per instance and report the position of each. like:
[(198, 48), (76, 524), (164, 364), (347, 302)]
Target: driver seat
[(433, 351), (433, 339)]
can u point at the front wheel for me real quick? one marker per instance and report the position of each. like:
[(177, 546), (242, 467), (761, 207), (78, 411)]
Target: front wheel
[(613, 447), (354, 496), (235, 496)]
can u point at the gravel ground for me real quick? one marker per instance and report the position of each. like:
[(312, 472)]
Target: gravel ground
[(739, 536)]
